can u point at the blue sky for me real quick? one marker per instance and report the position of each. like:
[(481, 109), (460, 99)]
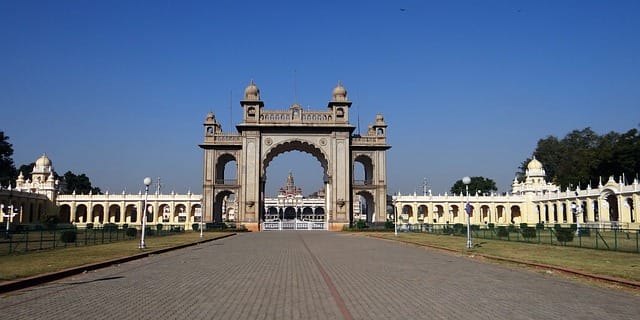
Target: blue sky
[(119, 89)]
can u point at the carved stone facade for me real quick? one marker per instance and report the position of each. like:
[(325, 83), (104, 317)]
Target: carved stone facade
[(265, 134)]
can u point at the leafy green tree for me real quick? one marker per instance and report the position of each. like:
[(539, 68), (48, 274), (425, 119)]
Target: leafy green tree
[(480, 185), (583, 157), (26, 170), (78, 183), (7, 168)]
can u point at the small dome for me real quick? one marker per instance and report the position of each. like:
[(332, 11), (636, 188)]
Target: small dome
[(43, 161), (339, 93), (252, 92), (534, 164)]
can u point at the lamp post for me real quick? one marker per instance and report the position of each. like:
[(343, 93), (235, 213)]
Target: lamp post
[(201, 223), (147, 183), (466, 181), (395, 212), (10, 214), (577, 210)]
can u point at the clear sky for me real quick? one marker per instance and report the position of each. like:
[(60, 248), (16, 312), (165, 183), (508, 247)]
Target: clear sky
[(119, 89)]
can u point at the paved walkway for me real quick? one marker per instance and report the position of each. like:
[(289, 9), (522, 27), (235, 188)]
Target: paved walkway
[(314, 275)]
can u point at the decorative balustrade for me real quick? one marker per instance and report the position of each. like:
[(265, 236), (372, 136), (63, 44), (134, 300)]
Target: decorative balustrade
[(296, 116)]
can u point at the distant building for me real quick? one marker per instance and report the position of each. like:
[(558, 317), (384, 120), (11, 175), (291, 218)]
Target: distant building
[(613, 204)]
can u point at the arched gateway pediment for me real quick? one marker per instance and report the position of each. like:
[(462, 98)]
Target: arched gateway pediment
[(264, 134), (274, 150)]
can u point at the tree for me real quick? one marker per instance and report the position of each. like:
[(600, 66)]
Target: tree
[(26, 170), (481, 185), (7, 168), (78, 183), (583, 157)]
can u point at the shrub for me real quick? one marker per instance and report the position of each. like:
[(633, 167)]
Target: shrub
[(361, 224), (388, 225), (125, 226), (523, 225), (90, 225), (540, 225), (159, 226), (502, 231), (459, 228), (68, 236), (564, 235), (529, 232), (195, 226), (110, 227), (491, 226), (131, 232)]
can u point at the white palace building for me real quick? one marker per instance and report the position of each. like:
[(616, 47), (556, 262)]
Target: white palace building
[(612, 204)]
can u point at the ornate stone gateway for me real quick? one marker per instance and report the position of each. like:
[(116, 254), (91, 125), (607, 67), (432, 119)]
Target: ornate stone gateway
[(265, 134)]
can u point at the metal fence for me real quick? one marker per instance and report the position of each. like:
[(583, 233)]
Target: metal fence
[(612, 238), (25, 241)]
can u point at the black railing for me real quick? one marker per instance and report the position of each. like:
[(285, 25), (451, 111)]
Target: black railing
[(614, 239)]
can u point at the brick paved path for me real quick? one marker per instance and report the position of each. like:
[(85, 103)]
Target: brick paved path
[(314, 275)]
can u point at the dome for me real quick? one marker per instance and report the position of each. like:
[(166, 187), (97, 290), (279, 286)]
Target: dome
[(534, 164), (252, 92), (339, 93), (43, 161)]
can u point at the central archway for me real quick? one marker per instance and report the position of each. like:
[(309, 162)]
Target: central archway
[(265, 134)]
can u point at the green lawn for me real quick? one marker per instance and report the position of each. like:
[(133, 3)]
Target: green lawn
[(22, 265), (601, 262)]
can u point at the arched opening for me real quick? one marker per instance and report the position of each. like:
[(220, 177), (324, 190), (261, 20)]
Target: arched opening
[(164, 214), (179, 215), (365, 207), (97, 214), (196, 213), (612, 200), (438, 214), (81, 213), (423, 213), (515, 215), (225, 207), (294, 182), (629, 203), (318, 214), (114, 213), (407, 214), (485, 214), (131, 214), (454, 213), (564, 212), (500, 214), (65, 213), (226, 169), (362, 170), (596, 210), (290, 213)]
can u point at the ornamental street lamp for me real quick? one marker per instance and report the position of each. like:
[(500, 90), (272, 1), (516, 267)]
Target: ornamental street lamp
[(147, 183), (10, 214), (466, 181), (201, 223), (577, 210), (395, 212)]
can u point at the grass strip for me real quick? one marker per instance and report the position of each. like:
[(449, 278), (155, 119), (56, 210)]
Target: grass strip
[(599, 262), (17, 266)]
